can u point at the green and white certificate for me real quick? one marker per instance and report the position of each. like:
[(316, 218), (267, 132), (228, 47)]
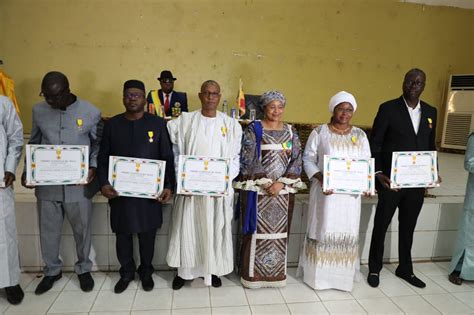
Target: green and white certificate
[(135, 177), (414, 169), (199, 175), (346, 175), (56, 164)]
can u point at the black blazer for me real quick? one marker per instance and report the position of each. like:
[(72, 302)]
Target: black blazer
[(176, 97), (124, 137), (393, 131)]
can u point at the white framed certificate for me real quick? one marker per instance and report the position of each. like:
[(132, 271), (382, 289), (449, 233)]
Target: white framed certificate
[(56, 164), (136, 177), (414, 169), (346, 175), (200, 175)]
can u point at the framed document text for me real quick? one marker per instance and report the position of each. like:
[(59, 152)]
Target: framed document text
[(56, 164), (199, 175), (136, 177), (414, 169), (345, 175)]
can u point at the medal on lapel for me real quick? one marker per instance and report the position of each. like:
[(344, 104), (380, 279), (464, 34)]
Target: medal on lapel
[(224, 131), (430, 122), (176, 110), (79, 123), (150, 136)]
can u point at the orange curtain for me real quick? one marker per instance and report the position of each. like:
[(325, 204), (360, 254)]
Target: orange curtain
[(7, 88)]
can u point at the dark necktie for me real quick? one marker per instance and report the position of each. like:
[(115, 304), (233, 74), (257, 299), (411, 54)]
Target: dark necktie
[(167, 104)]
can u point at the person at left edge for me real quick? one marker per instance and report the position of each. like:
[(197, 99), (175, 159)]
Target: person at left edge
[(135, 133), (64, 118), (11, 142)]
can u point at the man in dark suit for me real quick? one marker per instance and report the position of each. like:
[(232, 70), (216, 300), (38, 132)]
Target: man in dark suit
[(173, 103), (402, 124), (135, 133)]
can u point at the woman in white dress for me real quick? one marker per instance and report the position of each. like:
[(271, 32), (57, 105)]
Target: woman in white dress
[(329, 258)]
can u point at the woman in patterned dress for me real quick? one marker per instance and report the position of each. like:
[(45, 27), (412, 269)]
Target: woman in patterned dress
[(329, 258), (270, 168)]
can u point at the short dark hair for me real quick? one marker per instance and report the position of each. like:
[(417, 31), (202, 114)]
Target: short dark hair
[(415, 71), (55, 77)]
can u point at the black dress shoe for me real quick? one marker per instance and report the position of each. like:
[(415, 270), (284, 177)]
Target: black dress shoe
[(86, 282), (14, 294), (455, 277), (411, 279), (147, 283), (121, 285), (216, 281), (47, 283), (373, 280), (178, 283)]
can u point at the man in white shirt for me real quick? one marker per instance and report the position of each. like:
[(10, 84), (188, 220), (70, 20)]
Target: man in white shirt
[(201, 236), (403, 124)]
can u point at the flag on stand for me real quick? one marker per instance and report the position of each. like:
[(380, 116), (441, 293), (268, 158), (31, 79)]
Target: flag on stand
[(241, 99)]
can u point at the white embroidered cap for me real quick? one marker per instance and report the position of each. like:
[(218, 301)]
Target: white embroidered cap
[(342, 97)]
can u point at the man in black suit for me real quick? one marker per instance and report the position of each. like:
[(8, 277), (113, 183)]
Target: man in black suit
[(173, 102), (402, 124)]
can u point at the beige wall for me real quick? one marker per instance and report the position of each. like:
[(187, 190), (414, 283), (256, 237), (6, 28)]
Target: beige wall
[(307, 49)]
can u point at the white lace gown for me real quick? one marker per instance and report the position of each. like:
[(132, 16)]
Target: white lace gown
[(329, 258)]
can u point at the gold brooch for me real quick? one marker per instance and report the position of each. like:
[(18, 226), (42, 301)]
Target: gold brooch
[(150, 136)]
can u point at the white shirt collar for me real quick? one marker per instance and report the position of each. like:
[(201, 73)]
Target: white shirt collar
[(416, 108)]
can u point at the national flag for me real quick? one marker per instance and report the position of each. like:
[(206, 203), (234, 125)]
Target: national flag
[(241, 99)]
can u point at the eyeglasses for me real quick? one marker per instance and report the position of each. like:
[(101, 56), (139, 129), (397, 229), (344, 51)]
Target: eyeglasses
[(54, 97), (344, 110), (210, 94), (166, 80), (133, 95), (417, 83)]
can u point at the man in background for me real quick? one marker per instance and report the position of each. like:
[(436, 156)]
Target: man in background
[(173, 103)]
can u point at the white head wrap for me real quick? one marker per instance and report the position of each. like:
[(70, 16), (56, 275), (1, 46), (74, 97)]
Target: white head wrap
[(342, 97)]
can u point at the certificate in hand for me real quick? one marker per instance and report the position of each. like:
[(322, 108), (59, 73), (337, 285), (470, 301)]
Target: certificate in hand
[(199, 175), (414, 169), (135, 177), (345, 175), (56, 164)]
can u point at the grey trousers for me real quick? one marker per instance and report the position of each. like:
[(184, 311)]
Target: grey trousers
[(51, 217)]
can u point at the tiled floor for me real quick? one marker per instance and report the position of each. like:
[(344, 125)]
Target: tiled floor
[(392, 297)]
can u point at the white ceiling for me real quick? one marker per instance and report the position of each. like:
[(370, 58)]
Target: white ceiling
[(466, 4)]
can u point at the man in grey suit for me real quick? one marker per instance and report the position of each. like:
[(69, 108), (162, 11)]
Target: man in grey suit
[(63, 118)]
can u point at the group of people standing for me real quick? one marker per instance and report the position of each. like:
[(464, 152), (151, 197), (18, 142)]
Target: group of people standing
[(267, 155)]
